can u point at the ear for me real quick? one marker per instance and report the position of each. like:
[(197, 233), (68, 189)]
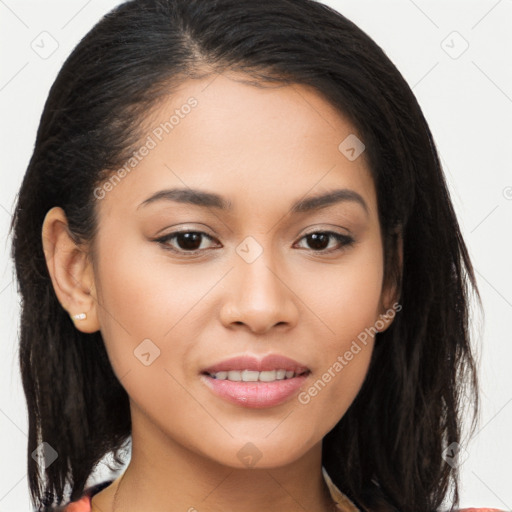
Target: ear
[(389, 304), (70, 270)]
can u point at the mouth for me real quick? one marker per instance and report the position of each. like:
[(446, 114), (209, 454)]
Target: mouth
[(256, 376), (250, 382)]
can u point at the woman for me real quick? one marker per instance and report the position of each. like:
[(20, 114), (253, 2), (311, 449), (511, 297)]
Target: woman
[(236, 249)]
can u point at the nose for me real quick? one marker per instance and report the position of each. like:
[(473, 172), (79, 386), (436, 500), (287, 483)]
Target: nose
[(258, 297)]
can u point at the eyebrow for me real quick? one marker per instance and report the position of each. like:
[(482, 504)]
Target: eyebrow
[(211, 200)]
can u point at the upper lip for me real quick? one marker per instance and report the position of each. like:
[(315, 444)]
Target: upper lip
[(249, 362)]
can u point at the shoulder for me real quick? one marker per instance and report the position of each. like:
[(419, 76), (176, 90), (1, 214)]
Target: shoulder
[(480, 510), (344, 504)]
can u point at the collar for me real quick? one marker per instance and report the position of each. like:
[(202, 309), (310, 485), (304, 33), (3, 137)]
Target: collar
[(343, 503)]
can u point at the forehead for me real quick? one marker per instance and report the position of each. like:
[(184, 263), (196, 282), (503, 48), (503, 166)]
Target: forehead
[(255, 145)]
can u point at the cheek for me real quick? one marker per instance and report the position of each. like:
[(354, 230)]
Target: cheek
[(146, 309), (345, 297), (140, 288), (346, 302), (134, 299), (143, 295)]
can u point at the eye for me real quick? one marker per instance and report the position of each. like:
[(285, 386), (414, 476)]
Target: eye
[(186, 241), (319, 241), (190, 242)]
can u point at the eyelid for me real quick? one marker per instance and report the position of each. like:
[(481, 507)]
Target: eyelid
[(326, 229)]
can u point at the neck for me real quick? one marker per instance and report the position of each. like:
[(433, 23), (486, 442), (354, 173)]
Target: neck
[(176, 479)]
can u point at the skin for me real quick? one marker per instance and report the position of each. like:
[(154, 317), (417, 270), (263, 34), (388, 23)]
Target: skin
[(262, 149)]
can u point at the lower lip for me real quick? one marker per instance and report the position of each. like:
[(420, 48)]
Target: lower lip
[(256, 395)]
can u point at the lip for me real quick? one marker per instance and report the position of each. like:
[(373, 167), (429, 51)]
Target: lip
[(256, 395), (249, 362)]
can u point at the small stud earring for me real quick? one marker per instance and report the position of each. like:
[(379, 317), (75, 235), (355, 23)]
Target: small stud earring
[(80, 316)]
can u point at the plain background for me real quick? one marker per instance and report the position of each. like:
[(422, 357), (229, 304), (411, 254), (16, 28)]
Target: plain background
[(456, 56)]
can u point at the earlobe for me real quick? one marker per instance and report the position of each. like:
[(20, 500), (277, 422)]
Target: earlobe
[(70, 271)]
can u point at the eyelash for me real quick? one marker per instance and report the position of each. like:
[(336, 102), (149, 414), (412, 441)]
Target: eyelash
[(344, 240)]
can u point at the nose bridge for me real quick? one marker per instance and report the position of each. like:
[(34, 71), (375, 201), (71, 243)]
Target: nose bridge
[(259, 299), (258, 278)]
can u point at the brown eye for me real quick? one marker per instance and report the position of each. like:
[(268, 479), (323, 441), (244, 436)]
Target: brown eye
[(189, 241), (184, 241), (319, 241)]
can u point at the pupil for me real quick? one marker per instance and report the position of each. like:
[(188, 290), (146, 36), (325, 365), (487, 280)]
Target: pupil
[(189, 240), (315, 238)]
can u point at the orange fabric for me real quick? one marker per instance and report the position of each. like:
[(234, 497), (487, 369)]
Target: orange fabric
[(81, 505), (84, 505)]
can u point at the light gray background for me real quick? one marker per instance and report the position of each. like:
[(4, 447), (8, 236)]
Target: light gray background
[(466, 96)]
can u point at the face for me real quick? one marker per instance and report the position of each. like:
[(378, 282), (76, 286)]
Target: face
[(185, 281)]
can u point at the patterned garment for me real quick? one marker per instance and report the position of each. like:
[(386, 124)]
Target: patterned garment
[(343, 504)]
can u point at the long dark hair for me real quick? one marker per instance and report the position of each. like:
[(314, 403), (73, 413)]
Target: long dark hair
[(387, 450)]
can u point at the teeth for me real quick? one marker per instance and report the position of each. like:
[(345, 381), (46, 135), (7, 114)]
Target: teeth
[(249, 375), (268, 376), (234, 375), (254, 376)]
